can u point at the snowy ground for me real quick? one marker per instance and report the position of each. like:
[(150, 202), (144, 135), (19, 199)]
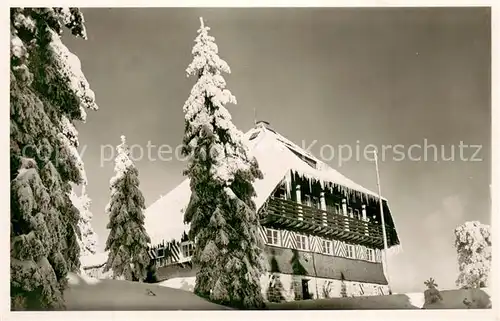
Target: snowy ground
[(112, 295), (452, 299)]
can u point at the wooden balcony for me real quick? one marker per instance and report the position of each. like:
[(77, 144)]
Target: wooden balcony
[(286, 214)]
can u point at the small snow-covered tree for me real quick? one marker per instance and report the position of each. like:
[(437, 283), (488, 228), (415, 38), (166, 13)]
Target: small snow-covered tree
[(48, 92), (128, 240), (222, 215), (473, 244), (87, 240), (432, 294)]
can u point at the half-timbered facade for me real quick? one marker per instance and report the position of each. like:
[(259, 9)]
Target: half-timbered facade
[(322, 232)]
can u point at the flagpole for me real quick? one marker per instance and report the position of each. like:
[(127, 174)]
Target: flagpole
[(384, 234)]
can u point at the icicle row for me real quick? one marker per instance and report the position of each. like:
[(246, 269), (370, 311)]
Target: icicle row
[(349, 193)]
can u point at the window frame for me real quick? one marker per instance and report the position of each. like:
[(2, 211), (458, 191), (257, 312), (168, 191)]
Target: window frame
[(370, 255), (315, 202), (187, 248), (303, 241), (330, 247), (282, 193), (161, 248), (278, 239), (351, 247), (357, 214), (308, 200), (254, 135)]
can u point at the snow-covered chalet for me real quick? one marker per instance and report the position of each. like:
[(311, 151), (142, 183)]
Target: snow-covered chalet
[(322, 232)]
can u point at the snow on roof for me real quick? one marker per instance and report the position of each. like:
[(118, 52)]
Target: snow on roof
[(165, 217), (322, 172)]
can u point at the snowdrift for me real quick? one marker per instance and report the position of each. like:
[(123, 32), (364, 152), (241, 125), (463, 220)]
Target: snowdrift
[(89, 294)]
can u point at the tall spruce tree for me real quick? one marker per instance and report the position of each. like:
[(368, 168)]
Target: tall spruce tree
[(128, 240), (222, 215), (87, 239), (48, 92)]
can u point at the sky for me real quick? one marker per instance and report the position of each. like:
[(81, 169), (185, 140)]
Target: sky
[(321, 77)]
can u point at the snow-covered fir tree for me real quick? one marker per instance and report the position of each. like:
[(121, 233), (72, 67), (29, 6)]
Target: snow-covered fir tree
[(221, 212), (48, 92), (473, 244), (87, 239), (431, 294), (128, 240)]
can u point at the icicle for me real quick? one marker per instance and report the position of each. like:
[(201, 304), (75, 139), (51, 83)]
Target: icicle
[(288, 184)]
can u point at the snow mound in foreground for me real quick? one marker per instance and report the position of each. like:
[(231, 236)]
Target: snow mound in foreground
[(84, 294)]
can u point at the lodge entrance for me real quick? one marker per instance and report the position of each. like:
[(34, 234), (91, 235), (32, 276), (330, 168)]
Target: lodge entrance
[(305, 289)]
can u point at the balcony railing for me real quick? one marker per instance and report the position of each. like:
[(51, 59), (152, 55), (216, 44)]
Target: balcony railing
[(299, 217)]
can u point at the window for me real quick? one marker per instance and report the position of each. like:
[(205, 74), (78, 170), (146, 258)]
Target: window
[(327, 247), (337, 209), (312, 201), (315, 202), (160, 263), (311, 162), (187, 249), (356, 214), (349, 211), (301, 242), (272, 236), (349, 251), (307, 199), (160, 252), (281, 192), (254, 135), (369, 255)]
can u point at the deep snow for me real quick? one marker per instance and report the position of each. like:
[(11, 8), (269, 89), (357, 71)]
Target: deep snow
[(88, 294)]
